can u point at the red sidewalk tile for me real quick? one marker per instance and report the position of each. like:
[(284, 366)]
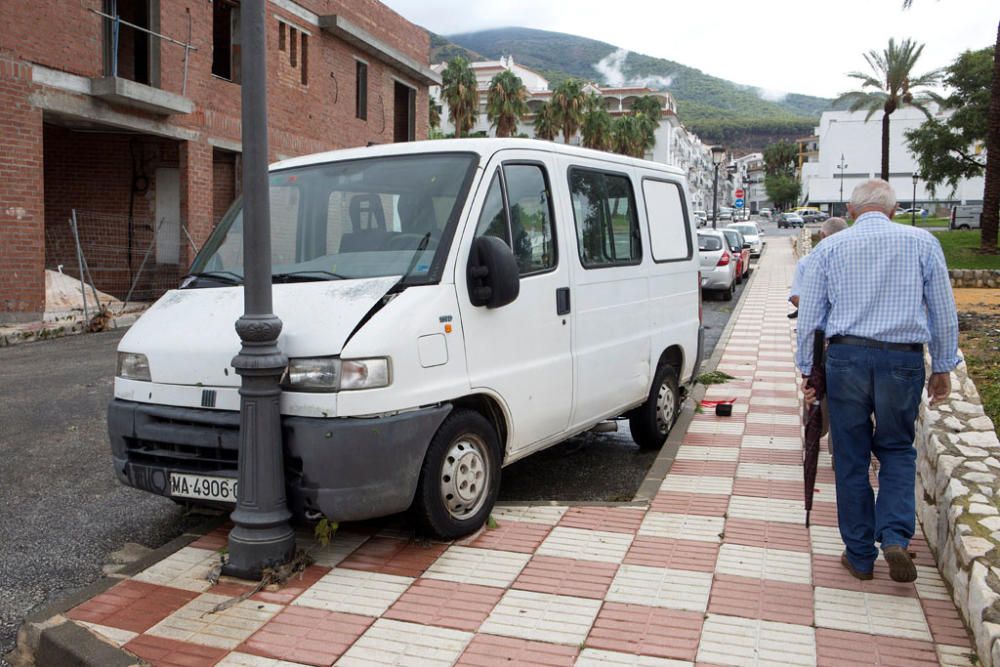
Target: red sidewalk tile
[(702, 504), (493, 651), (829, 573), (636, 629), (387, 555), (787, 457), (703, 468), (921, 552), (945, 623), (712, 439), (767, 534), (613, 519), (132, 605), (823, 513), (791, 392), (162, 652), (837, 648), (784, 430), (762, 598), (673, 553), (566, 576), (764, 488), (294, 587), (214, 540), (308, 636), (445, 603), (519, 536)]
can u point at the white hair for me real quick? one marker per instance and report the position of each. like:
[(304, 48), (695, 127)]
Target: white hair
[(874, 194), (832, 226)]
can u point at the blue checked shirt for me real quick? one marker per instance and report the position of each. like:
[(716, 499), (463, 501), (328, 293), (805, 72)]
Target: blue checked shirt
[(879, 280), (800, 272)]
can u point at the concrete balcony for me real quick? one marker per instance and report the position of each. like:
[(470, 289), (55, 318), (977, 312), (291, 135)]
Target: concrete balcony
[(126, 92)]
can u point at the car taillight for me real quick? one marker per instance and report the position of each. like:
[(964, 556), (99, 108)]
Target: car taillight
[(724, 260)]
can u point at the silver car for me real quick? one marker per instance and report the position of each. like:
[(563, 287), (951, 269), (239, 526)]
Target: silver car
[(718, 265), (752, 234)]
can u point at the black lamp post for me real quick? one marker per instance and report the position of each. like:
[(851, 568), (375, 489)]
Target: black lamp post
[(842, 166), (262, 536), (718, 153), (913, 203)]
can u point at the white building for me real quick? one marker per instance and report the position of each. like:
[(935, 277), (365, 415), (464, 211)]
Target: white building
[(749, 172), (846, 135), (674, 144)]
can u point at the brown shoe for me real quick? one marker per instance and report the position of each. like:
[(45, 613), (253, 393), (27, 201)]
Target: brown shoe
[(863, 576), (901, 567)]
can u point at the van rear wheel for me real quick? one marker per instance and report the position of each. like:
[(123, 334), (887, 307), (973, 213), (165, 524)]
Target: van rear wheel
[(651, 422), (460, 477)]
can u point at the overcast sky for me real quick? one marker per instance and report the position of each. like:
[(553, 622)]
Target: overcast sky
[(801, 46)]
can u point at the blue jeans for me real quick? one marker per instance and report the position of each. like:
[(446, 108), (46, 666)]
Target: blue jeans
[(863, 382)]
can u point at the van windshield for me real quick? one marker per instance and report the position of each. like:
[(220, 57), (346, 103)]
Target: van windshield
[(387, 216)]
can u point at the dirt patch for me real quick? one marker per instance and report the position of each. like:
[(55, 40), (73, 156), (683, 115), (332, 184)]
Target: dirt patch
[(979, 337)]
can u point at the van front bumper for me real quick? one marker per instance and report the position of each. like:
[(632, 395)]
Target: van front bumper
[(346, 468)]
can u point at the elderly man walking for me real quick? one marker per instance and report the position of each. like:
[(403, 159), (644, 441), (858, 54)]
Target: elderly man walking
[(828, 229), (881, 292)]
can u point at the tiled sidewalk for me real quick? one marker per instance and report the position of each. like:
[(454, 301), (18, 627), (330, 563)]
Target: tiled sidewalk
[(720, 569)]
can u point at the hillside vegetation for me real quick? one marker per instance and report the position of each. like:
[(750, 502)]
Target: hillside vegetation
[(717, 110)]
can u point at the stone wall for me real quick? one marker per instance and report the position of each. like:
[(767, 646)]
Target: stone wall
[(975, 277)]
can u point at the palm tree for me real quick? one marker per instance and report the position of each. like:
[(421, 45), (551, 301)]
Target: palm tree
[(506, 103), (596, 127), (461, 94), (433, 113), (569, 100), (991, 188), (628, 136), (891, 85), (546, 123), (648, 109)]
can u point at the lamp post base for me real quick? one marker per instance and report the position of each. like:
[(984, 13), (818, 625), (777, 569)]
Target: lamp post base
[(251, 551)]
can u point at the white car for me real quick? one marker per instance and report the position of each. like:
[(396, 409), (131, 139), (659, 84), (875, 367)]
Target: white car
[(448, 308), (718, 264), (752, 234)]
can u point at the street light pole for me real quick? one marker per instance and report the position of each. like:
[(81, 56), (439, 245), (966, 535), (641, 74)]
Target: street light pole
[(842, 166), (718, 152), (913, 202), (262, 536)]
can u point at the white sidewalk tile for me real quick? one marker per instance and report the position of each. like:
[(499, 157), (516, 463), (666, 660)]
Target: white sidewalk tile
[(682, 526), (770, 471), (773, 418), (397, 643), (543, 617), (355, 592), (116, 636), (696, 453), (592, 657), (728, 640), (661, 587), (596, 545), (714, 427), (793, 567), (237, 659), (786, 442), (872, 613), (486, 567), (826, 540), (342, 544), (695, 484), (196, 623), (544, 514), (767, 509), (188, 569), (930, 585)]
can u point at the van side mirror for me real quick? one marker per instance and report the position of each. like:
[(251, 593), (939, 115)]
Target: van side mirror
[(492, 273)]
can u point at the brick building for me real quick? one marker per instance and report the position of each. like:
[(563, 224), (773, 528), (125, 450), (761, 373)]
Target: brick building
[(134, 123)]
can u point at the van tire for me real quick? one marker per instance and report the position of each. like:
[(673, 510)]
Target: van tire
[(465, 436), (649, 426)]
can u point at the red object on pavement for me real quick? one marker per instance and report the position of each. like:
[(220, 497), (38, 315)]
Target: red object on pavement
[(712, 404)]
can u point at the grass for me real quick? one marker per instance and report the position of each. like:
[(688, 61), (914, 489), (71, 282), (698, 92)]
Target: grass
[(979, 342), (926, 223), (961, 251)]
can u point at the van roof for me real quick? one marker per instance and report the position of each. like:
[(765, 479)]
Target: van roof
[(484, 147)]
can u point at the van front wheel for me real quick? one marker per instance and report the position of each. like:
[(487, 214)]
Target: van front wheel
[(651, 422), (460, 477)]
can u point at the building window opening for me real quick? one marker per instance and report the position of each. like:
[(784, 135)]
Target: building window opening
[(130, 52), (304, 57), (293, 51), (226, 40), (404, 112), (281, 36), (361, 93)]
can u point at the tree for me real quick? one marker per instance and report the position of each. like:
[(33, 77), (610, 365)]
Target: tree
[(568, 101), (891, 84), (546, 123), (628, 136), (991, 189), (648, 109), (506, 103), (433, 113), (461, 93), (782, 187), (596, 127)]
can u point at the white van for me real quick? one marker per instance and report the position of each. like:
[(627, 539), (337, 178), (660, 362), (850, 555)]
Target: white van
[(448, 307), (966, 216)]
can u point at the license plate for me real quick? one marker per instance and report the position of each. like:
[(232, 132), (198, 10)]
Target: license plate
[(203, 488)]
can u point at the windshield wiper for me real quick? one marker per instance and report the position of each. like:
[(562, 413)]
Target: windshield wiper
[(227, 277), (310, 274), (416, 257)]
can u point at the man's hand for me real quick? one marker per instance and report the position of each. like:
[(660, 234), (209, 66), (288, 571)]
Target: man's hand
[(808, 392), (938, 387)]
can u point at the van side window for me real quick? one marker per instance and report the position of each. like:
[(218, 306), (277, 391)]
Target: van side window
[(523, 218), (607, 227), (668, 227)]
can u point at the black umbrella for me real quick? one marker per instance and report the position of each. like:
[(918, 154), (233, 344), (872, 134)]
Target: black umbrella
[(814, 421)]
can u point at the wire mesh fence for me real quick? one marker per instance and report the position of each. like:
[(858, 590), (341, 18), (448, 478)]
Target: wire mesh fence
[(123, 261)]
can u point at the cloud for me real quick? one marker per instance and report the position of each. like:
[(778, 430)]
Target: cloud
[(769, 95), (611, 68)]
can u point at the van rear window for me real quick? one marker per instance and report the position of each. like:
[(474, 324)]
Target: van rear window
[(669, 238)]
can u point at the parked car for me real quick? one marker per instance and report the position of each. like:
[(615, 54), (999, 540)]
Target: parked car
[(814, 216), (701, 217), (752, 234), (448, 308), (919, 212), (966, 216), (718, 264), (765, 213), (786, 220), (741, 250)]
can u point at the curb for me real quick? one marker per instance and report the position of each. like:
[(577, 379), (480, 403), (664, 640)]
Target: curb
[(47, 637)]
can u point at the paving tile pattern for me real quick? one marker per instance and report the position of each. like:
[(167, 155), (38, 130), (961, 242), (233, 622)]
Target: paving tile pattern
[(719, 569)]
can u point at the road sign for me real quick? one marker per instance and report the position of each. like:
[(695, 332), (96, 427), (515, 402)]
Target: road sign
[(738, 203), (739, 193)]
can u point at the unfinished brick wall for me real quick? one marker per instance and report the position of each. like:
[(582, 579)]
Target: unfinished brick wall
[(224, 186)]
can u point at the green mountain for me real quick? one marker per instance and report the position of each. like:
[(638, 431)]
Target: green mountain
[(719, 111)]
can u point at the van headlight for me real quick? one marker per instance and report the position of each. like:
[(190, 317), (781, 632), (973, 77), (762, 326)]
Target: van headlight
[(333, 374), (133, 366)]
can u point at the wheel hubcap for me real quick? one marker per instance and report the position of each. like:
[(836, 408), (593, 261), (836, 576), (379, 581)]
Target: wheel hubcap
[(665, 408), (465, 476)]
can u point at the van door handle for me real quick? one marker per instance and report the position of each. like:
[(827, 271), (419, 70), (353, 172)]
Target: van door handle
[(562, 301)]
